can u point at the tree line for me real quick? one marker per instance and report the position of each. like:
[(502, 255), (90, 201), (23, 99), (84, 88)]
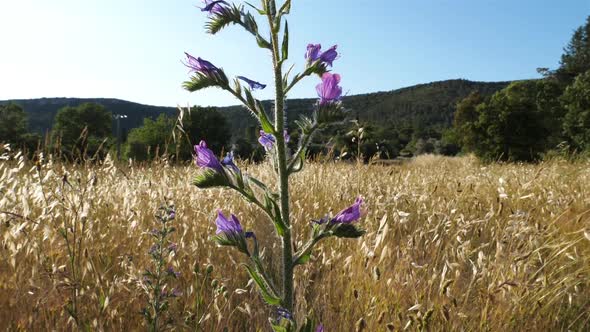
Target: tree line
[(532, 119), (85, 132)]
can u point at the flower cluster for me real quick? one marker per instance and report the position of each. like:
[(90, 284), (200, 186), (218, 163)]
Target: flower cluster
[(314, 54), (329, 91)]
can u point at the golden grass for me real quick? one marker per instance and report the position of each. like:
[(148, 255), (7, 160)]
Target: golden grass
[(451, 245)]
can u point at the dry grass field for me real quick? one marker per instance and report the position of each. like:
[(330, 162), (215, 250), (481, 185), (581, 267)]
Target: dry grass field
[(451, 244)]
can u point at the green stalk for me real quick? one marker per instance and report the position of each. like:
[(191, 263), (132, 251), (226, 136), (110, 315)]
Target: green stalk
[(283, 174)]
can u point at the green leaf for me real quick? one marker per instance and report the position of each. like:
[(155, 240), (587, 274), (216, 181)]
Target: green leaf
[(305, 124), (258, 183), (285, 48), (250, 24), (299, 162), (263, 43), (304, 258), (264, 121), (308, 325), (285, 8), (210, 178), (278, 328), (231, 239), (265, 290), (260, 11), (286, 77), (272, 205), (348, 231), (250, 99)]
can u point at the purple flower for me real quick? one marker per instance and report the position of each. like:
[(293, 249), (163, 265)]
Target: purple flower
[(329, 56), (329, 90), (314, 53), (284, 313), (214, 7), (206, 158), (320, 328), (224, 225), (153, 249), (228, 161), (350, 214), (172, 215), (266, 140), (253, 84), (175, 292), (199, 65), (171, 272), (173, 247)]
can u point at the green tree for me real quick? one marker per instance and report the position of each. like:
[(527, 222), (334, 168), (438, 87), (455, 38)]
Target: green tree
[(204, 123), (576, 57), (13, 123), (551, 111), (576, 100), (515, 124), (465, 121), (198, 124), (13, 129), (142, 142), (80, 131)]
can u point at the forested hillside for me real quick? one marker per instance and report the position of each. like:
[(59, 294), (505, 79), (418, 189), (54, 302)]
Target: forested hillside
[(424, 105)]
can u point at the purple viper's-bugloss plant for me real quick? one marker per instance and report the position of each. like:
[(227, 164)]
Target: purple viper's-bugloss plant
[(157, 279), (272, 200)]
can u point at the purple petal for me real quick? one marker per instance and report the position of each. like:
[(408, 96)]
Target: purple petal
[(320, 328), (199, 65), (253, 84), (228, 161), (214, 7), (329, 56), (266, 140), (206, 158), (313, 52), (225, 225), (350, 214), (329, 90)]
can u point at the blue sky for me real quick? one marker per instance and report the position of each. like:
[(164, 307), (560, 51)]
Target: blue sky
[(132, 49)]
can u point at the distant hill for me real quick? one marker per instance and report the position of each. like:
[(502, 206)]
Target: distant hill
[(42, 111), (431, 104)]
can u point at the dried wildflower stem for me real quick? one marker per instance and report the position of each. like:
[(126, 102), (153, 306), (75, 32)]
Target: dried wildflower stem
[(282, 169)]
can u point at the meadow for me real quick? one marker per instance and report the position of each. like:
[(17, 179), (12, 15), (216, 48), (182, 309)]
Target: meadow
[(451, 244)]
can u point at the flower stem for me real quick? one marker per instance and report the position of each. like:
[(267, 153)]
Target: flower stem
[(283, 173)]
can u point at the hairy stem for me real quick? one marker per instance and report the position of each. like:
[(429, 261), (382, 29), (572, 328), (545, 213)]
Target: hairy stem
[(283, 174)]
